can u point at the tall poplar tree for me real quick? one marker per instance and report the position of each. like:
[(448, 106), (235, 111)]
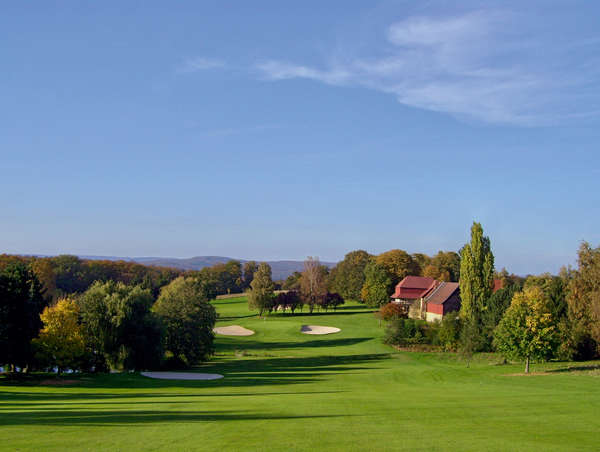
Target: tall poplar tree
[(476, 275)]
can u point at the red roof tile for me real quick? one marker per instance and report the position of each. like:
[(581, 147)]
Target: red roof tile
[(414, 287), (498, 284), (416, 282), (441, 293)]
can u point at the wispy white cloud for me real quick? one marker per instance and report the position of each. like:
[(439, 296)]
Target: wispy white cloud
[(479, 65), (200, 64), (277, 70)]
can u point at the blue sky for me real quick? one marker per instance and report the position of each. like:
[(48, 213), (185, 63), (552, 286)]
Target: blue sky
[(276, 130)]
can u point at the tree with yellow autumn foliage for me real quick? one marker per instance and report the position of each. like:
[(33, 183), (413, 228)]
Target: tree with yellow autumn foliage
[(61, 342)]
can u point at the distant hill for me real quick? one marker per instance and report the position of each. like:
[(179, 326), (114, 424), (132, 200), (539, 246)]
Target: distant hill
[(280, 269)]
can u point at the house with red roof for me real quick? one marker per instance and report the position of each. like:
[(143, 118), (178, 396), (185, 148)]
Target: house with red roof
[(429, 299), (442, 300)]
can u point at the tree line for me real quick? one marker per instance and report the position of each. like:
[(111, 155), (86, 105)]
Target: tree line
[(66, 274), (53, 316)]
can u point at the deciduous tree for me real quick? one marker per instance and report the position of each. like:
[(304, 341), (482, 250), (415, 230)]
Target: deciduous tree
[(527, 330), (584, 296), (349, 274), (444, 266), (261, 296), (376, 289), (119, 325), (331, 300), (61, 342), (313, 283), (288, 300), (250, 268), (398, 264), (189, 319), (21, 302), (422, 260)]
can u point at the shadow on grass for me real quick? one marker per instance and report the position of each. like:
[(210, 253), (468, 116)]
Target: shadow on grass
[(584, 368), (248, 344), (86, 403), (26, 400), (317, 313), (234, 317), (59, 416), (239, 373)]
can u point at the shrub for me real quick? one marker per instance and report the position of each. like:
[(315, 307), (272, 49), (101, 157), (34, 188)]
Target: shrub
[(576, 343), (404, 332), (393, 311), (449, 332)]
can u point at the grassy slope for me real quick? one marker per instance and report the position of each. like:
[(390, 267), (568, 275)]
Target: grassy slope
[(288, 391)]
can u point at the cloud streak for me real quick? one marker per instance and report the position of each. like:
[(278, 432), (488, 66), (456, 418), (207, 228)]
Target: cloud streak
[(482, 65), (200, 64)]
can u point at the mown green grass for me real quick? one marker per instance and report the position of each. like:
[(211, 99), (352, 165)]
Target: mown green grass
[(287, 391)]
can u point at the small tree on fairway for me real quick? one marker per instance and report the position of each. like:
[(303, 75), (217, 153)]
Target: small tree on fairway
[(261, 289), (526, 330), (313, 284)]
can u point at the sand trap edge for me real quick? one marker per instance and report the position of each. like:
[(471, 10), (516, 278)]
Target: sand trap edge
[(233, 330), (318, 329), (181, 376)]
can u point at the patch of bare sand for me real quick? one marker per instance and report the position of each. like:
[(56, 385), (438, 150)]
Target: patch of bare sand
[(233, 330), (317, 329)]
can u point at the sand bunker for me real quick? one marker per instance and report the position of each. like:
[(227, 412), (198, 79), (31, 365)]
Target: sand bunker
[(233, 330), (316, 329), (181, 376)]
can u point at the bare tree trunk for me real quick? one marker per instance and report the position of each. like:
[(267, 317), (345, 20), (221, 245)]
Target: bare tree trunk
[(527, 365)]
